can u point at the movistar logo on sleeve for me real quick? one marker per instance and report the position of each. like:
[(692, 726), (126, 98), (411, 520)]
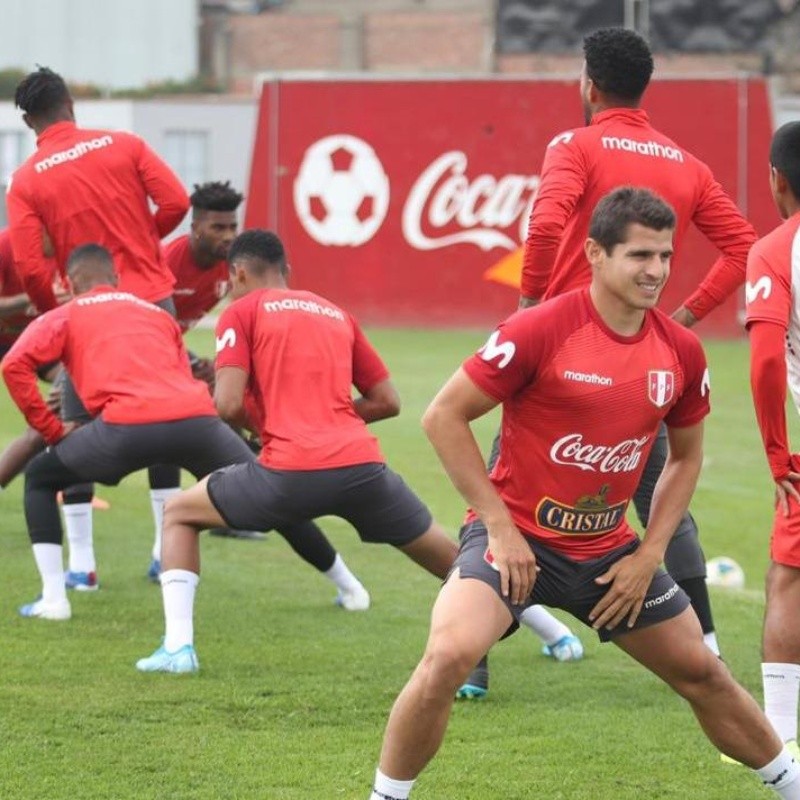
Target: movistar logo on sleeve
[(493, 349)]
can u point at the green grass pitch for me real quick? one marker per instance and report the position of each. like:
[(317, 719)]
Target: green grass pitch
[(294, 693)]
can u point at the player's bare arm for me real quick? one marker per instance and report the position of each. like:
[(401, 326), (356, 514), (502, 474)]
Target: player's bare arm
[(684, 317), (9, 306), (380, 401), (231, 383), (528, 302), (630, 577), (447, 425)]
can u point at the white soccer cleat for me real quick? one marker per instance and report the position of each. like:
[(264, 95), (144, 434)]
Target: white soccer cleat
[(354, 599), (567, 648), (41, 610)]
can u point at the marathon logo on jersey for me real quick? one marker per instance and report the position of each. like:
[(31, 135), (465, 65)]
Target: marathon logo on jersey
[(591, 515), (588, 377), (653, 149), (309, 306), (660, 387), (76, 151), (108, 297), (625, 456)]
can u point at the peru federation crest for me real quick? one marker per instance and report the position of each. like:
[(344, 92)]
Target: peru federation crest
[(660, 387)]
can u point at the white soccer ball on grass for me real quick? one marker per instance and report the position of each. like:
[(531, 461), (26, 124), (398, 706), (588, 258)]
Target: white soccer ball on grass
[(724, 571)]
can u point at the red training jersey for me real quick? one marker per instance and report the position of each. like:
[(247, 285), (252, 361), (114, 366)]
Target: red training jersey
[(581, 409), (10, 285), (85, 186), (197, 289), (125, 356), (775, 347), (621, 148), (303, 355)]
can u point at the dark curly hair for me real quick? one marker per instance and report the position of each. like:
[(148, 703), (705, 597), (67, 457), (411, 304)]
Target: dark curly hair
[(41, 93), (260, 246), (619, 62), (784, 154), (215, 196)]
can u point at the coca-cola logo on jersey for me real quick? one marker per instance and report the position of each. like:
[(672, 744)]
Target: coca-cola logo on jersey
[(342, 201), (572, 451)]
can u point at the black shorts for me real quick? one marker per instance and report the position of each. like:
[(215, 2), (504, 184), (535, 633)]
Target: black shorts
[(568, 584), (372, 498), (107, 453)]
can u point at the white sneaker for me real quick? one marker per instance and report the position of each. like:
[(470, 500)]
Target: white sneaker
[(354, 599), (54, 611)]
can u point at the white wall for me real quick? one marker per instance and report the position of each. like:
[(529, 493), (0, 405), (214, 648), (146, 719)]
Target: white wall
[(225, 126), (110, 43)]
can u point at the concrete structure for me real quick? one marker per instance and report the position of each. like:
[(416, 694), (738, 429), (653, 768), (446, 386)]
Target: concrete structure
[(113, 44)]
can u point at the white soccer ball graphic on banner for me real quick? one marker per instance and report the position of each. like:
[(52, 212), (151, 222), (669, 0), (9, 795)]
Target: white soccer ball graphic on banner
[(341, 192), (724, 571)]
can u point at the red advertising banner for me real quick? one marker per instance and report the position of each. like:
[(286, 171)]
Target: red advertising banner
[(407, 201)]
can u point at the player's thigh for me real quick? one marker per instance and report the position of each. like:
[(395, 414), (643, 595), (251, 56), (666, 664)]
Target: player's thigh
[(674, 650), (468, 617), (379, 504), (193, 507)]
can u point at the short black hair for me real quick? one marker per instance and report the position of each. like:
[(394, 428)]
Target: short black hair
[(215, 196), (627, 206), (262, 248), (619, 62), (784, 154), (41, 93), (90, 252)]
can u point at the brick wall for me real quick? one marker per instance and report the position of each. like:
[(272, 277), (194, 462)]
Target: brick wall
[(426, 42)]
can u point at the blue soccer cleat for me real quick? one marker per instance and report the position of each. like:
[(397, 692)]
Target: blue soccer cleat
[(567, 648), (469, 691), (182, 661), (476, 686), (154, 571), (81, 581)]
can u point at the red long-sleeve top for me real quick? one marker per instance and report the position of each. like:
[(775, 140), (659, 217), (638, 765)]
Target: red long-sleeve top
[(94, 186), (621, 148)]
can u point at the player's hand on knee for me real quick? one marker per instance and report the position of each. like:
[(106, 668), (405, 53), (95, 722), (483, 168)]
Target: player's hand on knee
[(514, 560), (629, 579)]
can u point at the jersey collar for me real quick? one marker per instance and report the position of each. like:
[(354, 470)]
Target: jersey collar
[(628, 114), (617, 337), (55, 130)]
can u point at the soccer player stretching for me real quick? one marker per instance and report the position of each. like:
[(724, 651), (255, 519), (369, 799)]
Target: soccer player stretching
[(318, 456), (143, 416), (571, 455)]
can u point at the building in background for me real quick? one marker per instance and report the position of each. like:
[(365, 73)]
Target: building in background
[(201, 138), (112, 44)]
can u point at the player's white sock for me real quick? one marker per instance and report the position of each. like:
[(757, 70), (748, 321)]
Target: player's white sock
[(544, 624), (781, 688), (158, 498), (340, 574), (711, 642), (386, 788), (50, 563), (783, 775), (78, 525), (177, 589)]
